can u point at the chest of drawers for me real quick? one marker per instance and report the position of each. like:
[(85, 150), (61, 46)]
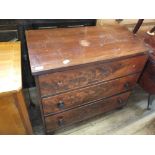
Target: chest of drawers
[(83, 72)]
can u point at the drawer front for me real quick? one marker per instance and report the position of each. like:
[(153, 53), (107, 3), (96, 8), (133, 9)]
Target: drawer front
[(53, 83), (84, 112), (88, 94)]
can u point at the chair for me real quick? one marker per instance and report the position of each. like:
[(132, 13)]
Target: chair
[(147, 79)]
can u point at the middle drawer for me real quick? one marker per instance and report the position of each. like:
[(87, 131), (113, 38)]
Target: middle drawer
[(78, 97)]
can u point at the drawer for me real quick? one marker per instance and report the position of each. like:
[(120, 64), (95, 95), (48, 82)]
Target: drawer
[(78, 97), (84, 112), (53, 83)]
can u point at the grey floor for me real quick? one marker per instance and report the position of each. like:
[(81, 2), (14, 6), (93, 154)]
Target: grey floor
[(133, 119)]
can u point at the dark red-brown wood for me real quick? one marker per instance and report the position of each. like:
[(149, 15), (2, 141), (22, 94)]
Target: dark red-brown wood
[(50, 84), (52, 49), (82, 72), (147, 80), (88, 94), (84, 112)]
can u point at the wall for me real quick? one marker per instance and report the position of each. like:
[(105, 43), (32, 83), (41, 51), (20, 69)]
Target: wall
[(130, 23)]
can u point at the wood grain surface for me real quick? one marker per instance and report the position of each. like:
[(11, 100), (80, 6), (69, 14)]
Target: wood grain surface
[(14, 118), (85, 71), (84, 112), (51, 84), (10, 67), (88, 94), (51, 49), (10, 120)]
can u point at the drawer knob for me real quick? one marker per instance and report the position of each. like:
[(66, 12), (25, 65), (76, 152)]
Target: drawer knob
[(127, 85), (61, 105), (61, 122), (104, 71)]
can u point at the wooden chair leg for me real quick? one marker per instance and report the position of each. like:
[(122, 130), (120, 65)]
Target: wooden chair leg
[(138, 25), (31, 104)]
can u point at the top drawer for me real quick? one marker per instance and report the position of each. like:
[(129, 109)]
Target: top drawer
[(51, 84)]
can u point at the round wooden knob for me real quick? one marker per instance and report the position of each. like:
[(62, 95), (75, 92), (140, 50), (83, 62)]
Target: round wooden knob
[(61, 122), (127, 85), (104, 70), (61, 105)]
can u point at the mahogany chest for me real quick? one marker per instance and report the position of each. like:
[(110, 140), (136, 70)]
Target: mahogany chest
[(83, 72)]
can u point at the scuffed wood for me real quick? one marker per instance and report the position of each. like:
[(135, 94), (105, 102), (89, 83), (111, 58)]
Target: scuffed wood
[(85, 112), (60, 48), (51, 84), (89, 94)]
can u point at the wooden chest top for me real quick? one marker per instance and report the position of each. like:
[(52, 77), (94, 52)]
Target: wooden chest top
[(10, 67), (52, 49)]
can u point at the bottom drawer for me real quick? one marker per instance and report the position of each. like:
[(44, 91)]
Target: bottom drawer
[(54, 122)]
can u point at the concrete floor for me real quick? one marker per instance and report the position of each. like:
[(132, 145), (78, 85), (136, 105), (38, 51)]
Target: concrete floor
[(133, 119)]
